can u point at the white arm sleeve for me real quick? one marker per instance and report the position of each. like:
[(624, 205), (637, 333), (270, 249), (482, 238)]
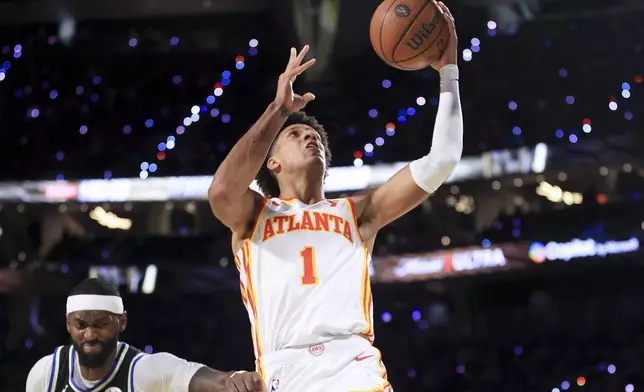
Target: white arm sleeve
[(38, 379), (430, 171), (163, 372)]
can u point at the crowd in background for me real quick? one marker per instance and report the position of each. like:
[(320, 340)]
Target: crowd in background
[(101, 107)]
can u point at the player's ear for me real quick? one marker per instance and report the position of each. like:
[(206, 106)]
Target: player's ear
[(123, 322), (272, 164)]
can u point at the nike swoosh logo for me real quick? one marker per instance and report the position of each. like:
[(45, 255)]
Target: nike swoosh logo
[(363, 358)]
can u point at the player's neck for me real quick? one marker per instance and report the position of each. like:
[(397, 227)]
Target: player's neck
[(307, 192), (96, 374)]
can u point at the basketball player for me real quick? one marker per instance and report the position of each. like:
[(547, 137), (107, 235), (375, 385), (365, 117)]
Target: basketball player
[(96, 361), (304, 259)]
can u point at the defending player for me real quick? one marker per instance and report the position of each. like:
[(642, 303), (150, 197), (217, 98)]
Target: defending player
[(303, 259), (96, 361)]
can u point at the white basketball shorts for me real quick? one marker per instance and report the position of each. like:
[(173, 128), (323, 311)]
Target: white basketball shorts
[(348, 364)]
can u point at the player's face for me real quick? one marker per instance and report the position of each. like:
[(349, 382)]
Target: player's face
[(297, 147), (94, 335)]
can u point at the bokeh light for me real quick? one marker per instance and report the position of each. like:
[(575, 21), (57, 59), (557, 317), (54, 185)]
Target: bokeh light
[(170, 142)]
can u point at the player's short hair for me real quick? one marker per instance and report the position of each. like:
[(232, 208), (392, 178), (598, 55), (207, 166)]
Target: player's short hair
[(95, 286), (266, 181)]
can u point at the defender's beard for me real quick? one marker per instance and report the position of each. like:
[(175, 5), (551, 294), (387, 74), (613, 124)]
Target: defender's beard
[(96, 360)]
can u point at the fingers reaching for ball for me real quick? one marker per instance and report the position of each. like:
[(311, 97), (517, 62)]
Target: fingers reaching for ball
[(450, 54), (285, 97), (448, 15), (295, 67), (445, 9)]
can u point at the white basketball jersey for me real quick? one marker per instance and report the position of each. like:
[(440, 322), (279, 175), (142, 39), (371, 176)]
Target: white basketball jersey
[(304, 275)]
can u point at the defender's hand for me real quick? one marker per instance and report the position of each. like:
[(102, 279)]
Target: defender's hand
[(450, 54), (247, 382), (285, 97)]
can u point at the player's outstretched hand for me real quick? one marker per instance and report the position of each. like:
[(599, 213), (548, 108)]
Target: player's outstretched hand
[(285, 96), (451, 51), (247, 382)]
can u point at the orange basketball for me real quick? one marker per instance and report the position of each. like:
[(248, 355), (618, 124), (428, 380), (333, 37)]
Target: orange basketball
[(409, 34)]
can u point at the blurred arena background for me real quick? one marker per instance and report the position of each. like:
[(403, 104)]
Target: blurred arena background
[(523, 273)]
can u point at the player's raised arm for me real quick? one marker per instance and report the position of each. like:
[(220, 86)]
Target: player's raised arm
[(416, 181), (231, 199)]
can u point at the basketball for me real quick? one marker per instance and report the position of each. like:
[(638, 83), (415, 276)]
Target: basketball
[(409, 34)]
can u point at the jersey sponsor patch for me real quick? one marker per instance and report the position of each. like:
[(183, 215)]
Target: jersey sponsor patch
[(113, 389)]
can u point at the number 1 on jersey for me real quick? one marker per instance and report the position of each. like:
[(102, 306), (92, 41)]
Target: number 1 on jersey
[(309, 276)]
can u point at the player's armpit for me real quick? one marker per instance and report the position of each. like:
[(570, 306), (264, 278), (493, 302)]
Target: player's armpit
[(378, 207), (236, 213), (231, 200)]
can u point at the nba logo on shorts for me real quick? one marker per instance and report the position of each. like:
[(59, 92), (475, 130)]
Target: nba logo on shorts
[(316, 349), (274, 385)]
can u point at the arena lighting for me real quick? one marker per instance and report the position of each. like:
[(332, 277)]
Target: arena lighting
[(613, 105), (582, 381), (463, 204), (196, 111), (403, 114), (4, 67), (110, 219), (556, 195), (149, 279), (341, 179)]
